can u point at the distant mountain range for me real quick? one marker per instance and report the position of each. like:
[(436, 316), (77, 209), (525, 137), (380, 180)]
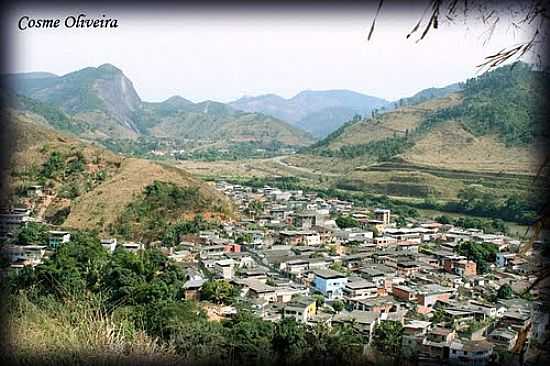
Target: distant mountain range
[(318, 112), (101, 103)]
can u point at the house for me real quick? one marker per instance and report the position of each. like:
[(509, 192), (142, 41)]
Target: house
[(231, 248), (302, 309), (257, 290), (404, 293), (330, 283), (436, 344), (132, 247), (470, 353), (191, 289), (503, 338), (27, 255), (361, 289), (56, 238), (353, 234), (224, 268), (304, 220), (503, 258), (413, 334), (460, 266), (13, 219), (428, 295), (363, 321), (408, 268), (383, 215), (109, 244), (293, 237)]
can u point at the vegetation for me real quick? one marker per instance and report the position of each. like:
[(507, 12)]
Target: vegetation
[(387, 337), (505, 292), (476, 202), (481, 253), (506, 101), (32, 234), (149, 217), (218, 291), (132, 302), (346, 222)]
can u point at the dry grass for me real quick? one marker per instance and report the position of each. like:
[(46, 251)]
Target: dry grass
[(101, 205), (76, 332), (390, 123), (450, 145)]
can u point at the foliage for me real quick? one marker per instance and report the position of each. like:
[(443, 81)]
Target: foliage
[(33, 233), (505, 292), (506, 101), (148, 217), (218, 291), (346, 222), (387, 337), (473, 201), (338, 305), (480, 253)]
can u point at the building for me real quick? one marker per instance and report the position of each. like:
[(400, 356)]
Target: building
[(191, 289), (13, 219), (330, 283), (109, 244), (225, 268), (133, 247), (383, 215), (302, 309), (56, 238), (462, 267), (470, 353), (304, 220), (504, 258), (361, 289)]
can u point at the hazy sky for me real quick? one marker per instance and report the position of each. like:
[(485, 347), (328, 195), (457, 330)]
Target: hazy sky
[(222, 55)]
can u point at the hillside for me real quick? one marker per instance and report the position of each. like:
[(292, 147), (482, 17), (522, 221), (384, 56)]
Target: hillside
[(92, 187), (494, 124), (318, 112), (218, 123), (101, 104)]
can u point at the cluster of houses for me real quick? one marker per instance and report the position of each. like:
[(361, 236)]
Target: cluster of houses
[(289, 259)]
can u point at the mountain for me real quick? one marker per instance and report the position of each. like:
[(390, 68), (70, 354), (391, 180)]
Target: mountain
[(318, 112), (101, 104), (430, 93), (103, 97), (92, 188), (491, 132)]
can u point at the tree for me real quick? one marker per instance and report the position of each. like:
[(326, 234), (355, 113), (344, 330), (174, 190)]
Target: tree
[(289, 339), (346, 222), (387, 337), (33, 234), (505, 292), (338, 306), (218, 291)]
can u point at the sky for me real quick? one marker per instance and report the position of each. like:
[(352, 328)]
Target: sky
[(220, 54)]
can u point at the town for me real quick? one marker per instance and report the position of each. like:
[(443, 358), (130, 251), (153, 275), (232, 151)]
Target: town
[(461, 296)]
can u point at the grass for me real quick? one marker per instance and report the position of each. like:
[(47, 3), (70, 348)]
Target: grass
[(76, 332)]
